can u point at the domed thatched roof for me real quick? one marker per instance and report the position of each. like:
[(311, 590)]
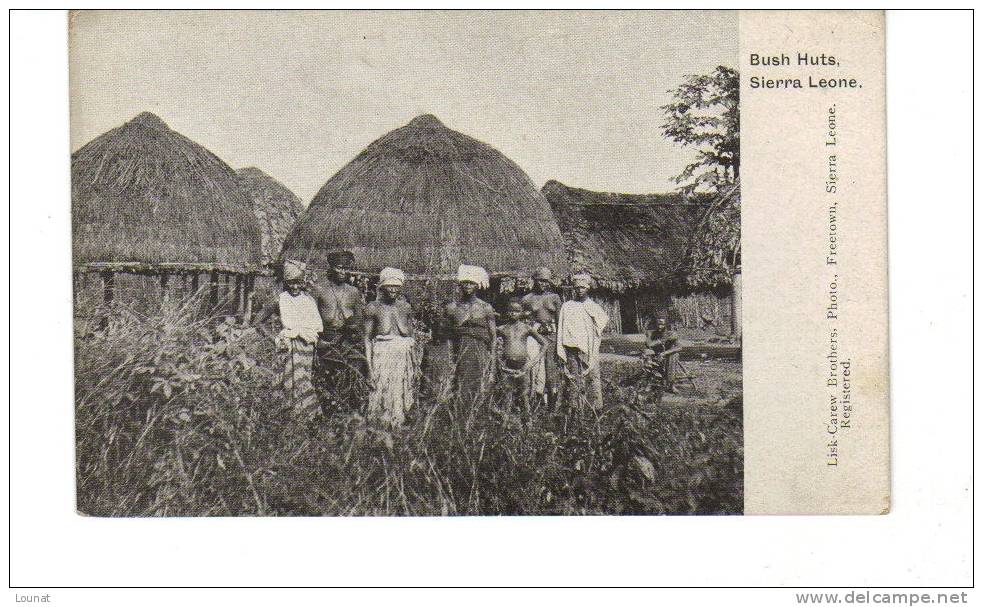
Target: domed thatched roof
[(425, 198), (144, 194), (276, 208)]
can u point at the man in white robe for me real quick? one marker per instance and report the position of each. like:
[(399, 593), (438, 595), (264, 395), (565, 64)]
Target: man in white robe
[(581, 322)]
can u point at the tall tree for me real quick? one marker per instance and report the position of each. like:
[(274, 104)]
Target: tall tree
[(704, 115)]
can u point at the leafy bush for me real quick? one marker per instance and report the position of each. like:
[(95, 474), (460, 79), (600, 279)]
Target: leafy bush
[(182, 416)]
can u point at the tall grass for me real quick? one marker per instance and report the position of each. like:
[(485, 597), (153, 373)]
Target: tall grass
[(181, 416)]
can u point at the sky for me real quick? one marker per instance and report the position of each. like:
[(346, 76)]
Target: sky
[(571, 96)]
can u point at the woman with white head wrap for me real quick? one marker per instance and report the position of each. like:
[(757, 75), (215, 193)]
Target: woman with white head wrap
[(475, 274), (389, 349), (473, 332), (578, 332)]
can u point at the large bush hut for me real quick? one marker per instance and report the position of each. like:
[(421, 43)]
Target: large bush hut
[(425, 198), (157, 208), (276, 209), (637, 246)]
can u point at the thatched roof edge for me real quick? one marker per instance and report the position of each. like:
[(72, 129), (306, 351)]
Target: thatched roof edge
[(426, 198), (143, 193), (139, 267), (626, 241), (276, 208)]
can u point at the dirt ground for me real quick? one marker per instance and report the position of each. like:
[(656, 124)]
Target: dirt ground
[(712, 381)]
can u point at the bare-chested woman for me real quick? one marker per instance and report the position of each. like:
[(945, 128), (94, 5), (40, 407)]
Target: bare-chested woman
[(472, 332), (389, 350), (339, 347), (340, 303), (543, 308)]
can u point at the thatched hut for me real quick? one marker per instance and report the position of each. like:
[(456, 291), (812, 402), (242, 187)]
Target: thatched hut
[(425, 198), (635, 246), (148, 201), (276, 208)]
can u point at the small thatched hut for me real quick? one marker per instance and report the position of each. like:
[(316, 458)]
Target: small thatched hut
[(148, 201), (276, 208), (425, 198), (635, 246)]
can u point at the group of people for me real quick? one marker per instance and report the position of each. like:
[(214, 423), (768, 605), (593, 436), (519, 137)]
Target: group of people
[(550, 349)]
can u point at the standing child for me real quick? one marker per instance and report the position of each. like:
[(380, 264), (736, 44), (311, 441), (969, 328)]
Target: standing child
[(517, 364), (302, 323)]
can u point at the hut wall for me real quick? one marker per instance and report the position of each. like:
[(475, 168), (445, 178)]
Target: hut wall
[(649, 305), (611, 305), (704, 312), (265, 290), (145, 293)]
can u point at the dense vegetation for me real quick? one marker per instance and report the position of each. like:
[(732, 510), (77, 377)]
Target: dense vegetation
[(181, 416)]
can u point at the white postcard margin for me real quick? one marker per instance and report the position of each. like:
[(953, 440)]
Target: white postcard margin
[(814, 254)]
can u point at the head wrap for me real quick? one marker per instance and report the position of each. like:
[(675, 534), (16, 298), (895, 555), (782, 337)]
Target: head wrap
[(475, 274), (391, 277), (582, 280), (341, 259), (293, 270), (543, 274)]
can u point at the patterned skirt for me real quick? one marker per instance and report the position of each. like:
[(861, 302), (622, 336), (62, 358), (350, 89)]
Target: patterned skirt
[(298, 362), (546, 377), (340, 372), (392, 376)]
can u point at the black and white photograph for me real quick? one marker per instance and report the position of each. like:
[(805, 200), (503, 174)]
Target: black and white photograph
[(364, 304), (414, 264)]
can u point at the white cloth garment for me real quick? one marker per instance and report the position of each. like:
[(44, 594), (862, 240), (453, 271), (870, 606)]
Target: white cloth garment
[(300, 317), (580, 326), (392, 374), (475, 274), (582, 280), (543, 273), (294, 270), (391, 277), (537, 375)]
